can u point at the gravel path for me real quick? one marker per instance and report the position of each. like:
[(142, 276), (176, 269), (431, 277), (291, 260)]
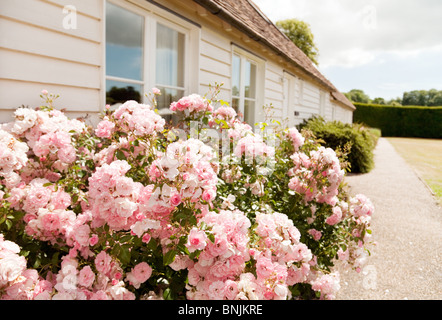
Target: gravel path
[(406, 263)]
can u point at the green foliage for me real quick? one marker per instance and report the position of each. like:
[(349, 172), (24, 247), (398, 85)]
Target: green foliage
[(299, 32), (357, 95), (355, 140), (431, 97), (406, 121)]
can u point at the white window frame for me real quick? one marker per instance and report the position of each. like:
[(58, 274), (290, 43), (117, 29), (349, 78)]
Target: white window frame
[(152, 16), (259, 82)]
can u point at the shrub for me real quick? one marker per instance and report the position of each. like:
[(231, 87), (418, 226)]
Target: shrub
[(403, 121), (354, 140), (137, 209)]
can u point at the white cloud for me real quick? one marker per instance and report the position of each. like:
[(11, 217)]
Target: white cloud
[(382, 47), (351, 26)]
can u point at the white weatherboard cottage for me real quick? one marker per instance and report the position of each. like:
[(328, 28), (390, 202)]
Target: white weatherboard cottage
[(93, 52)]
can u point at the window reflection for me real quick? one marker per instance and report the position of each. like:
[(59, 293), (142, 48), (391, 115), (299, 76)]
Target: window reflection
[(250, 80), (169, 57), (124, 43), (120, 92), (236, 74), (249, 112), (244, 73)]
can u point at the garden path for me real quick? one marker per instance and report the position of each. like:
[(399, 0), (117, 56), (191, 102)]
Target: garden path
[(406, 263)]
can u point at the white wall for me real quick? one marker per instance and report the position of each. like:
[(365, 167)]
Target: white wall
[(37, 52), (215, 63)]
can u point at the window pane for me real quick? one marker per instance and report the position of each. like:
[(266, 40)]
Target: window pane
[(236, 75), (167, 97), (124, 43), (249, 112), (250, 80), (169, 57), (120, 92), (235, 104)]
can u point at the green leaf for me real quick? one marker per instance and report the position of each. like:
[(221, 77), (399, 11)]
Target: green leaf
[(211, 237), (8, 224), (169, 257), (167, 295), (125, 254), (120, 155)]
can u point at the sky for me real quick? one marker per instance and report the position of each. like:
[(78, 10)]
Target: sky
[(384, 48)]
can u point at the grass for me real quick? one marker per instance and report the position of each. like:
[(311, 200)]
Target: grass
[(425, 156)]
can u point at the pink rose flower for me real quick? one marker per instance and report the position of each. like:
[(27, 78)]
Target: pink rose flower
[(139, 274), (102, 262), (197, 240), (67, 154), (335, 217), (93, 240), (315, 234), (105, 129), (175, 199), (209, 195), (86, 277)]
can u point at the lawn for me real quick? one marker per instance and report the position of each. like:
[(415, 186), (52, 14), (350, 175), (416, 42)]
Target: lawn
[(425, 156)]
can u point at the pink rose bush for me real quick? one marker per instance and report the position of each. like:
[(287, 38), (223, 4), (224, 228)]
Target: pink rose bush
[(127, 210)]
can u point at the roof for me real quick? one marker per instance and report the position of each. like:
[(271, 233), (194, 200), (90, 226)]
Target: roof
[(249, 19)]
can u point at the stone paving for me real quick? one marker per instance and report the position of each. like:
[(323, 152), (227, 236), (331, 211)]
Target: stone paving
[(406, 263)]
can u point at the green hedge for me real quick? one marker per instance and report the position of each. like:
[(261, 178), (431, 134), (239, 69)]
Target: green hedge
[(406, 121), (337, 135)]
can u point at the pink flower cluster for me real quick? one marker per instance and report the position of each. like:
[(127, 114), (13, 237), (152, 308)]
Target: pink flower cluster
[(132, 117), (296, 138), (281, 260), (114, 198), (103, 282), (239, 130), (193, 103), (47, 216), (189, 164), (327, 284), (227, 114), (166, 201), (253, 146), (16, 281), (48, 134), (317, 177), (280, 244), (361, 206), (221, 262), (13, 157)]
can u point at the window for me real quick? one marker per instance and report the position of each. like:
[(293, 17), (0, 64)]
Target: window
[(244, 86), (169, 65), (145, 50), (124, 55)]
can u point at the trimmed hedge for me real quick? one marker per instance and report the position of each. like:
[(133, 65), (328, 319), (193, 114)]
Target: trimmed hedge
[(336, 135), (406, 121)]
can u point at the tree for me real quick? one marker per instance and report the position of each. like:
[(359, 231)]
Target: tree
[(432, 97), (357, 95), (300, 34), (395, 102), (436, 100), (379, 101)]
